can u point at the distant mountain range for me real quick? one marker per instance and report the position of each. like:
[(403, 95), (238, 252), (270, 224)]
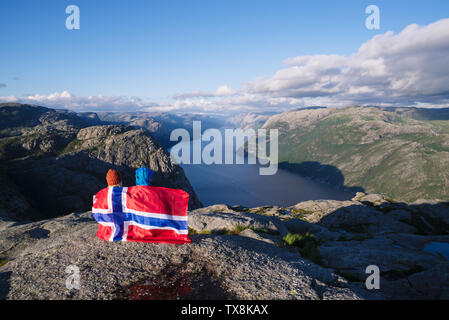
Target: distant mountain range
[(250, 120), (160, 125), (400, 152)]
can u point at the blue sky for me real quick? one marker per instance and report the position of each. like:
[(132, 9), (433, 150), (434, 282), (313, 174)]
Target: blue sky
[(156, 49)]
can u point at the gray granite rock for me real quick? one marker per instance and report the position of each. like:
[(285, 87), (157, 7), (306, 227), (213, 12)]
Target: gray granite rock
[(247, 267)]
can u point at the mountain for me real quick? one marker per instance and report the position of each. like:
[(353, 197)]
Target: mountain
[(313, 250), (52, 162), (403, 153), (160, 124), (250, 120)]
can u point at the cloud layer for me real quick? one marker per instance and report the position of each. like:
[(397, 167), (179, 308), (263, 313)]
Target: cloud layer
[(222, 91), (410, 68), (67, 100)]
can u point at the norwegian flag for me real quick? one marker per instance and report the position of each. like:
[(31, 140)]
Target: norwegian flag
[(142, 213)]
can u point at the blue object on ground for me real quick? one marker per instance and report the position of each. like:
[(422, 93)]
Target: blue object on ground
[(143, 176)]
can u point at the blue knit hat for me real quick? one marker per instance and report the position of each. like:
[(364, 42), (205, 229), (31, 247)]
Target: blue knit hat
[(143, 176)]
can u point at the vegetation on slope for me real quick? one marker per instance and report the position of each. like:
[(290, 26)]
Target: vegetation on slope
[(381, 151)]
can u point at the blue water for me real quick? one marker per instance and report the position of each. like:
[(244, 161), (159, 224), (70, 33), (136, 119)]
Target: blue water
[(242, 185)]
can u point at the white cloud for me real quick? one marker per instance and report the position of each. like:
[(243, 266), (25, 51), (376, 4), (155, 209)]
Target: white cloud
[(67, 100), (411, 67), (222, 91), (225, 91)]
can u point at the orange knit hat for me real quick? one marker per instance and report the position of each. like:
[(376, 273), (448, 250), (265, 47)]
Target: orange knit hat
[(113, 177)]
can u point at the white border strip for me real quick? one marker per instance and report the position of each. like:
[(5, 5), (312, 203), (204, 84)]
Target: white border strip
[(157, 215), (159, 228)]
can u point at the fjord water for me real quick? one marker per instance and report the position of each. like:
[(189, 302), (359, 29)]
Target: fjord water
[(241, 184)]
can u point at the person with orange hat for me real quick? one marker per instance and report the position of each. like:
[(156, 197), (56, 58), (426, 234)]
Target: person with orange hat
[(114, 178)]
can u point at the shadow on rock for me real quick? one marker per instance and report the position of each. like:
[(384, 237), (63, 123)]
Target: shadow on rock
[(4, 284), (57, 186), (321, 173)]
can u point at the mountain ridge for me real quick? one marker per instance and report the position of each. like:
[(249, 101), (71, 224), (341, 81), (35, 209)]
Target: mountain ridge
[(386, 152)]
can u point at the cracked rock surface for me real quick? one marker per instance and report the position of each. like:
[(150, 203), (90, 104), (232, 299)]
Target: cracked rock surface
[(238, 253)]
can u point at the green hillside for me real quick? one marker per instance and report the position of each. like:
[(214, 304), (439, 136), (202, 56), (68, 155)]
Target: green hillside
[(384, 151)]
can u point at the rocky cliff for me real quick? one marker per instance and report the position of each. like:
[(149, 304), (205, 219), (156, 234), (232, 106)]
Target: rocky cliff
[(314, 250), (52, 162)]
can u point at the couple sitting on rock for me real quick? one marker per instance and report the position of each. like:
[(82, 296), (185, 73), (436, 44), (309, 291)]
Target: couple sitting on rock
[(143, 177), (141, 213)]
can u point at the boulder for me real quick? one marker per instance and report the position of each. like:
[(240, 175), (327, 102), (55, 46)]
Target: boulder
[(301, 226), (217, 218), (362, 219)]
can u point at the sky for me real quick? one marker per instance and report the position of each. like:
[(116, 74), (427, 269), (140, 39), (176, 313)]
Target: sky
[(223, 56)]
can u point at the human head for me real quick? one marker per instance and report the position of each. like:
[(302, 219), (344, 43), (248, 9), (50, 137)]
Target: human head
[(113, 178), (143, 176)]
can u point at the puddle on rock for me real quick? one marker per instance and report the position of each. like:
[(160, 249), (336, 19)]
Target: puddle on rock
[(174, 283)]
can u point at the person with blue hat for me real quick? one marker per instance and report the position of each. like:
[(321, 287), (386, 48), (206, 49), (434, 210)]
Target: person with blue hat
[(143, 176)]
